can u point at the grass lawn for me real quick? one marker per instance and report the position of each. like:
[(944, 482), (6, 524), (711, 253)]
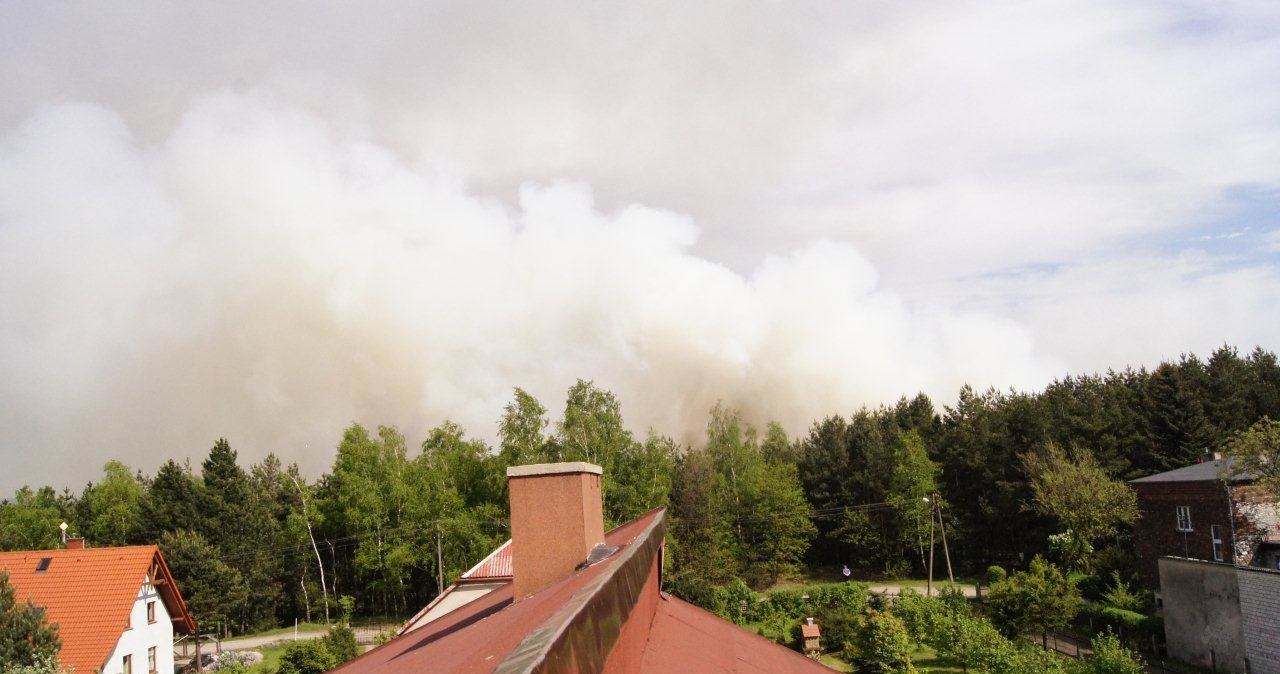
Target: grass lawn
[(835, 663), (928, 661), (925, 660)]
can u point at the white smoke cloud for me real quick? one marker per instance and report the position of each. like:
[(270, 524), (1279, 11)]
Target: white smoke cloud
[(395, 212), (262, 275)]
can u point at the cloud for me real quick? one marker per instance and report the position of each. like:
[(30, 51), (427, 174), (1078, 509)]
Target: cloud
[(262, 275), (943, 141), (267, 220)]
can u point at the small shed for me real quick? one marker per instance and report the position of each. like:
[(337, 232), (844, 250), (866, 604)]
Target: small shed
[(812, 637)]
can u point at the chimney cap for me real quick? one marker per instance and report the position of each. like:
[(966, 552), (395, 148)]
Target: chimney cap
[(554, 469)]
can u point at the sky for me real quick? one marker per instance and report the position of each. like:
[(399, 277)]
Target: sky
[(266, 221)]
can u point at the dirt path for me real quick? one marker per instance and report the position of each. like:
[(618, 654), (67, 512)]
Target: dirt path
[(895, 588)]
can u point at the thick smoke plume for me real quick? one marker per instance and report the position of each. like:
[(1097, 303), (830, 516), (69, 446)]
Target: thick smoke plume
[(260, 274)]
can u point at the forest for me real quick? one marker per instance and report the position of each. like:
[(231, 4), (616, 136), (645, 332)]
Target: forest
[(259, 545)]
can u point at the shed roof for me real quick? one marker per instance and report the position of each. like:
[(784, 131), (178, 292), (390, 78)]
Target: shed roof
[(88, 593)]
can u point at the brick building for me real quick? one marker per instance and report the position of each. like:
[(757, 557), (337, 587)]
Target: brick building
[(1207, 511)]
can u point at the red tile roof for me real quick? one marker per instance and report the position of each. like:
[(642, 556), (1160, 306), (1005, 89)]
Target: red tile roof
[(88, 594), (808, 630)]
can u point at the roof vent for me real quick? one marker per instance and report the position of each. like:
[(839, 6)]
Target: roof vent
[(44, 564), (599, 553)]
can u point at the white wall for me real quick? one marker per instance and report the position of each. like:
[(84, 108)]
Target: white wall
[(140, 636)]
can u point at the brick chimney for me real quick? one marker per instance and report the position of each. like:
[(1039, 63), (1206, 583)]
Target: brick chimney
[(75, 543), (556, 518)]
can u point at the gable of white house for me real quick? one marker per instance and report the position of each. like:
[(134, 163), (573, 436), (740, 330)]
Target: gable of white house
[(143, 634)]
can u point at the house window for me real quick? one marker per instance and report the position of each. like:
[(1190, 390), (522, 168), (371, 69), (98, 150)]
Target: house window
[(151, 612), (1184, 518), (151, 660), (1215, 533), (128, 664)]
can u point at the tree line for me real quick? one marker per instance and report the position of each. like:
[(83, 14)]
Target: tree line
[(1015, 474)]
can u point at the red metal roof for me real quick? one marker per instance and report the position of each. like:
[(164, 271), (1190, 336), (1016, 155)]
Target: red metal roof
[(88, 593), (480, 635), (687, 639), (497, 566), (483, 635)]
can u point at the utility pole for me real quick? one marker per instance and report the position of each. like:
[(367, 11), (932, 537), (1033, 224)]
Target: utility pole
[(439, 563), (937, 504), (929, 587)]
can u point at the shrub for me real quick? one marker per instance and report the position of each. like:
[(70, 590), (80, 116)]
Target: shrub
[(840, 628), (307, 657), (341, 642), (1122, 596), (696, 590), (883, 646), (1111, 657), (736, 601), (923, 616), (995, 574)]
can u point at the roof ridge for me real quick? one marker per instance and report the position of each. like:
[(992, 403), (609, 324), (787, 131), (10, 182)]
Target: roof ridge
[(554, 642)]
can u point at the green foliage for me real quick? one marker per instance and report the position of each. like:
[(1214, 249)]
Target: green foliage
[(995, 573), (41, 665), (26, 638), (736, 601), (1123, 596), (213, 590), (113, 505), (310, 656), (30, 521), (341, 642), (883, 646), (697, 590), (1090, 505), (1035, 601), (1256, 450), (1111, 657)]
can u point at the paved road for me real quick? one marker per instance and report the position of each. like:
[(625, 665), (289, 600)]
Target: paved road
[(254, 643)]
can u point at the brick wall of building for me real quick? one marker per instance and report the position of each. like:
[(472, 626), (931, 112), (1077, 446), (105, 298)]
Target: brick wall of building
[(1156, 533), (1260, 610)]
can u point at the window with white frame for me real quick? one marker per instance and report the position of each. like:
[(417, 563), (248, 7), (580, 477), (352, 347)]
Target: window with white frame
[(1215, 533), (151, 659), (128, 664), (1184, 518)]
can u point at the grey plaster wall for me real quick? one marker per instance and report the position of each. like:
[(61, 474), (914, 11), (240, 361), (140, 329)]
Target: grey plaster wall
[(1203, 624)]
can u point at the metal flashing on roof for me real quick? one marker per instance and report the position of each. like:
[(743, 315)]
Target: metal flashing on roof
[(533, 469), (580, 635), (599, 553)]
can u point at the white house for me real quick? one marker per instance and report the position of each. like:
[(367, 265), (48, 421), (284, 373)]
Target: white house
[(117, 609)]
